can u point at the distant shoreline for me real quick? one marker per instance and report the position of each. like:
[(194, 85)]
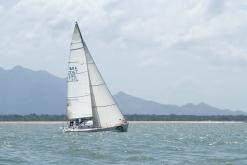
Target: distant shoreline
[(131, 122), (135, 118), (182, 122)]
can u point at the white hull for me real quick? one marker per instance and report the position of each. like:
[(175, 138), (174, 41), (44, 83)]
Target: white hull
[(121, 128)]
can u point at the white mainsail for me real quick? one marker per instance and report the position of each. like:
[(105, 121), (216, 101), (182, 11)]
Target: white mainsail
[(88, 95), (79, 97)]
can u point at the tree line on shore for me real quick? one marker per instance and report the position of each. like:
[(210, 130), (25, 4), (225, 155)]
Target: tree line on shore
[(135, 117)]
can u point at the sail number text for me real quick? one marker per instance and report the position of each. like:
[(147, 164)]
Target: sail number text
[(72, 73)]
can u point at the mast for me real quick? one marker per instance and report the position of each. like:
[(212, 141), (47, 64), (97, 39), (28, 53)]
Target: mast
[(96, 118)]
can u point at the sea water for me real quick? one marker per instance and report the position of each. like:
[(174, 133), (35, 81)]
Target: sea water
[(173, 143)]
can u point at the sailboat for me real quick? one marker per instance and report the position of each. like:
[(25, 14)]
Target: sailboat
[(90, 105)]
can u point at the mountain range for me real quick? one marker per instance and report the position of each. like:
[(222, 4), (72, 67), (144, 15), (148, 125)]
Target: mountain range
[(24, 91)]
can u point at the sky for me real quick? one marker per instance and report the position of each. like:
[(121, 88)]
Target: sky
[(172, 52)]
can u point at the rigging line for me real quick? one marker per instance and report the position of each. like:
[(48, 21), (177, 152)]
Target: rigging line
[(81, 72), (77, 96), (75, 62), (97, 84), (76, 48), (72, 81), (75, 42), (94, 112), (105, 105)]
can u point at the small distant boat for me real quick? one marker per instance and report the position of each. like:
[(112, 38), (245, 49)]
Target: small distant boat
[(90, 105)]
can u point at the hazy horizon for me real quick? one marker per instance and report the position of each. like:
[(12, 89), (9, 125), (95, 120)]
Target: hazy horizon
[(22, 71), (172, 52)]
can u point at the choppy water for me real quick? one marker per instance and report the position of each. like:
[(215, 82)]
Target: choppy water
[(190, 144)]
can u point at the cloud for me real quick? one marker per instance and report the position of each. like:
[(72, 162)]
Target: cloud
[(214, 27), (170, 51)]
